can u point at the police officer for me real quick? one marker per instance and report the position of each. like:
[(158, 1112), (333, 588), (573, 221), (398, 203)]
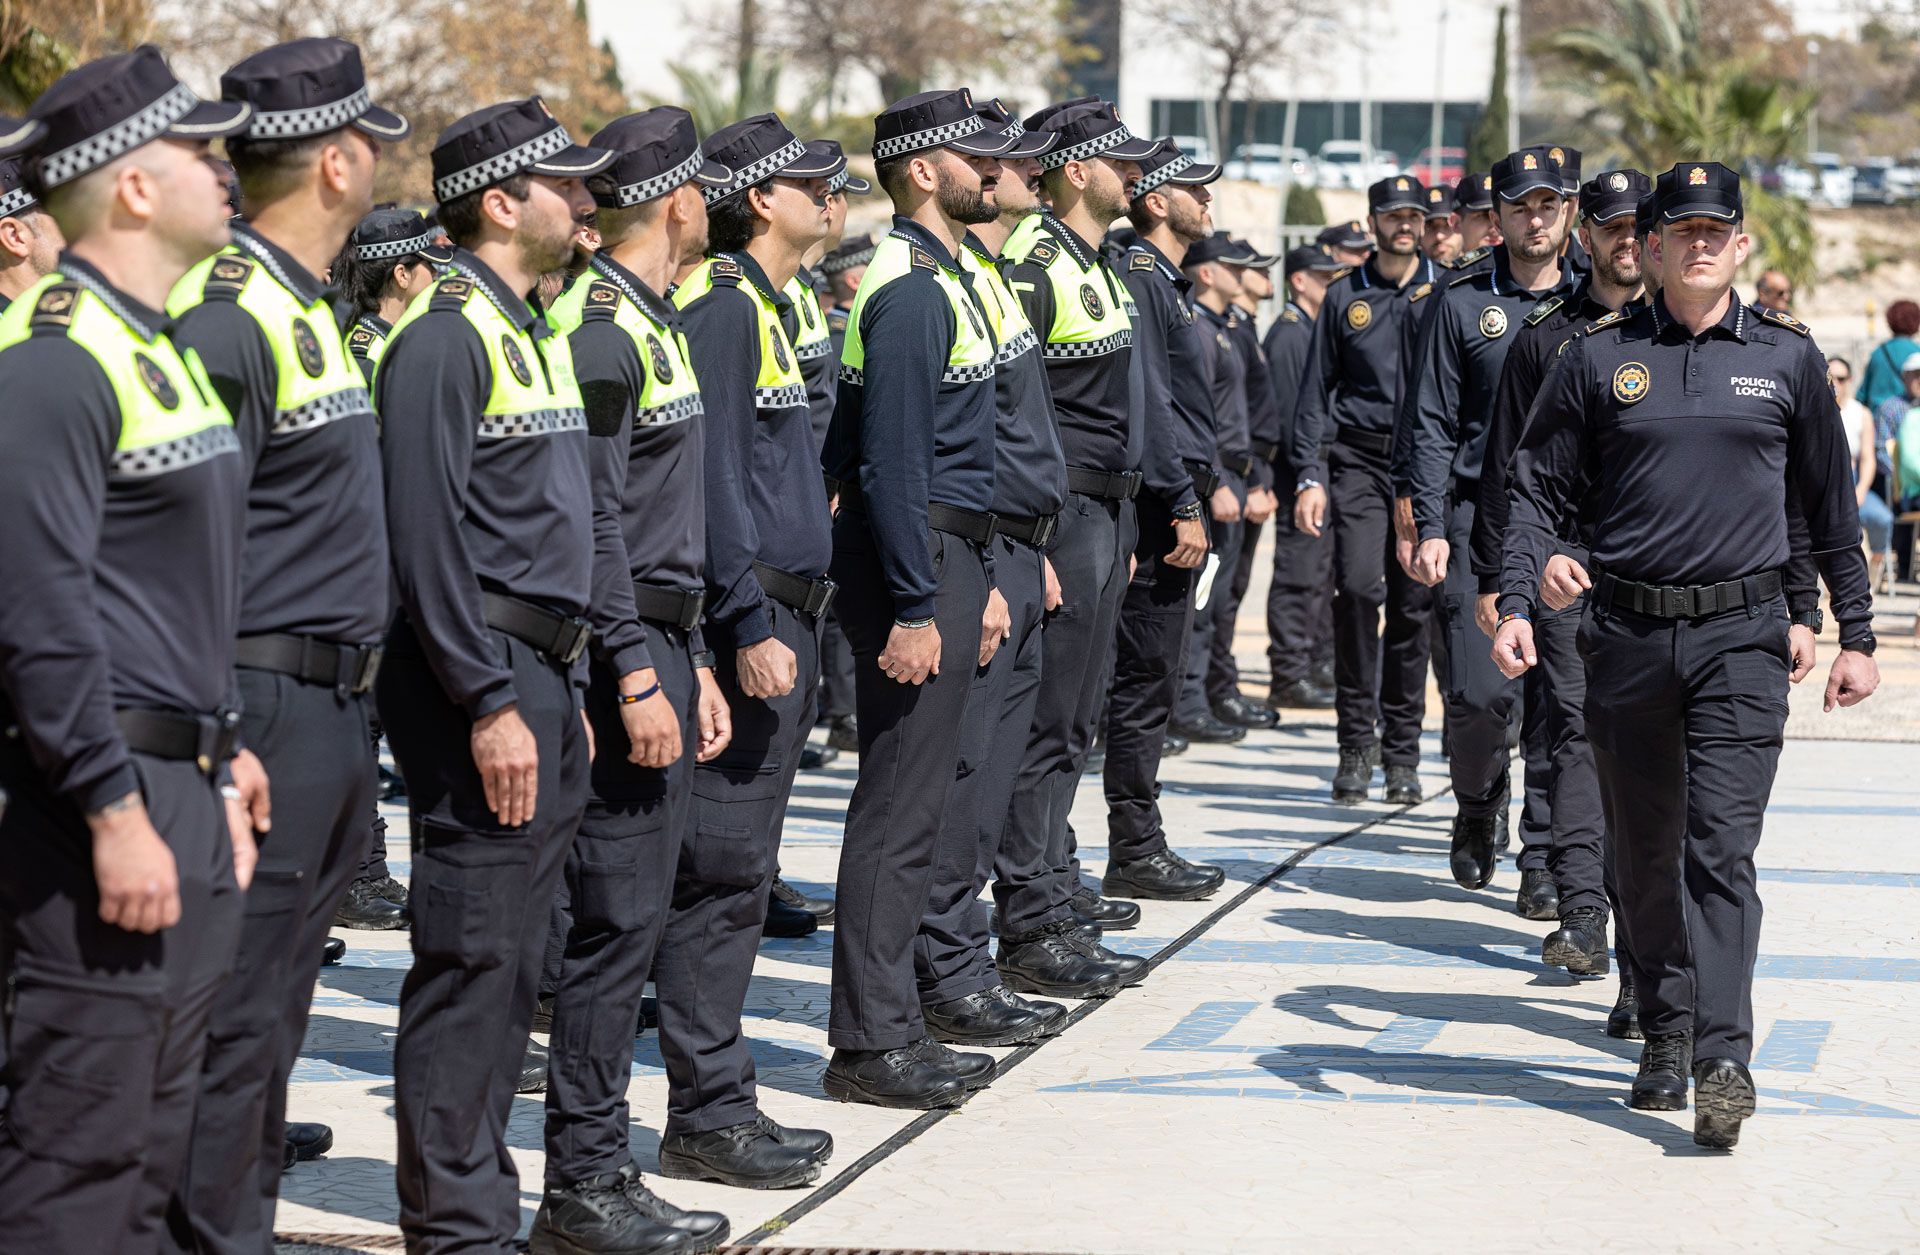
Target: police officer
[(121, 493), (1575, 249), (1441, 239), (1686, 633), (840, 270), (390, 260), (1346, 242), (769, 542), (492, 558), (29, 237), (1342, 438), (1467, 342), (1300, 596), (962, 998), (1479, 228)]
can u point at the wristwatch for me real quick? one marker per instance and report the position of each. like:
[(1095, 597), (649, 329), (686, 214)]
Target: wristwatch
[(1191, 512), (1809, 619), (1865, 645), (1305, 484)]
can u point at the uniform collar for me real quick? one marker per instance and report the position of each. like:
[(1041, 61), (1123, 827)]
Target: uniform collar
[(1168, 271), (1503, 284), (1086, 254), (1222, 320), (757, 276), (635, 288), (146, 322), (917, 235), (1290, 305), (279, 263), (1367, 275), (518, 310), (1592, 310), (374, 323), (1732, 325)]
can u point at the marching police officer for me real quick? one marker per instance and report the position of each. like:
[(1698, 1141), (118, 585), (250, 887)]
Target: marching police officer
[(1441, 239), (485, 447), (1346, 242), (122, 488), (1479, 228), (1686, 634), (29, 237), (1342, 437), (1466, 347), (1575, 251)]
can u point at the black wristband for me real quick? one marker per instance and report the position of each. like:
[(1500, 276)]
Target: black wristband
[(704, 660)]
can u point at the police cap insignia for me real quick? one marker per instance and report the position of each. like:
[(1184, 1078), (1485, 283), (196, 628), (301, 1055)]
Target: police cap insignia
[(1400, 185), (157, 382), (515, 361), (1434, 194), (1090, 300), (657, 358), (1559, 155), (1140, 261), (1359, 315), (1617, 183), (1630, 383), (1493, 322), (1529, 162), (1486, 182), (1697, 177), (306, 346)]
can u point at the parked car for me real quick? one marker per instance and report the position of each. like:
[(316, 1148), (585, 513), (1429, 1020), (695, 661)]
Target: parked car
[(1268, 163), (1195, 146), (1834, 180), (1348, 163), (1884, 181), (1453, 164)]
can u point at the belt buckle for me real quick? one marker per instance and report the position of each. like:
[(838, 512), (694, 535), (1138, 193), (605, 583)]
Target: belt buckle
[(1043, 535), (691, 607), (577, 633), (819, 596), (367, 667), (1134, 480), (993, 529)]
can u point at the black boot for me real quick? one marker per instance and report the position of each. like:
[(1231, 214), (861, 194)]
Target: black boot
[(814, 757), (1624, 1020), (332, 951), (1111, 914), (1236, 711), (1130, 968), (820, 908), (786, 920), (1206, 730), (1539, 897), (1174, 745), (1579, 944), (980, 1019), (594, 1216), (1476, 839), (1403, 785), (390, 889), (891, 1078), (1053, 1016), (1300, 695), (309, 1141), (365, 908), (746, 1155), (1162, 877), (1322, 673), (392, 787), (815, 1142), (974, 1070), (703, 1229), (1050, 961), (1722, 1098), (533, 1070), (844, 735), (1662, 1083), (1355, 772)]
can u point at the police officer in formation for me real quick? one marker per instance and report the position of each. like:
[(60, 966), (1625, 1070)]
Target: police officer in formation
[(1441, 240), (30, 239)]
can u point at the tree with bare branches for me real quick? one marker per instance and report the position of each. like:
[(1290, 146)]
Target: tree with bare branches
[(1242, 41)]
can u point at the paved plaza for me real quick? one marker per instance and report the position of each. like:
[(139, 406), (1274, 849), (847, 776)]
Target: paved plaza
[(1342, 1051)]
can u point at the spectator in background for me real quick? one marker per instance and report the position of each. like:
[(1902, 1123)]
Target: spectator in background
[(1899, 487), (1881, 380), (1773, 291), (1863, 439)]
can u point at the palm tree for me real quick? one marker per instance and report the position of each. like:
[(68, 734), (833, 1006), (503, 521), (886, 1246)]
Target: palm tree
[(1668, 100)]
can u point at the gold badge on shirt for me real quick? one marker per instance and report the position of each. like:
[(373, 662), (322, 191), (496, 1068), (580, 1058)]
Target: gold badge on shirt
[(1630, 383), (1493, 322), (1359, 315)]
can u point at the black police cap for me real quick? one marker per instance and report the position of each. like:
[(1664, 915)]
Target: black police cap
[(760, 148), (1309, 257), (841, 180), (1474, 192), (1027, 143), (1527, 170), (308, 87), (1087, 131), (500, 141), (1697, 189), (106, 109), (857, 251), (1439, 202), (1039, 116), (1643, 214), (1569, 159), (1343, 235), (15, 196), (937, 119), (656, 151), (391, 234), (1612, 194), (1170, 165), (1220, 247), (1396, 191)]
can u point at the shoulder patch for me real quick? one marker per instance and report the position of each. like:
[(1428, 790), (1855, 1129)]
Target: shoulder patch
[(1140, 261), (726, 270), (837, 319), (1788, 321), (923, 260), (1608, 321), (1420, 293), (1289, 315), (1467, 259), (1043, 253), (1544, 309), (602, 300), (451, 293), (360, 338), (1456, 280), (229, 274), (55, 306)]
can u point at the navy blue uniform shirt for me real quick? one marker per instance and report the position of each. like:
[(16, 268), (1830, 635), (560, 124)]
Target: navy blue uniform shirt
[(1177, 404)]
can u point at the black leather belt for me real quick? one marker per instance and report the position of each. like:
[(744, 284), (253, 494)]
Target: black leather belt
[(669, 605), (977, 526), (796, 592), (1037, 532), (1266, 450), (206, 741), (1205, 478), (1242, 465), (1365, 441), (1687, 601), (348, 668), (561, 637), (1106, 485)]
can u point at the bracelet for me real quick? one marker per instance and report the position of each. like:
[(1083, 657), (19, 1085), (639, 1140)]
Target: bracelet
[(914, 624), (704, 660), (1518, 614), (634, 699)]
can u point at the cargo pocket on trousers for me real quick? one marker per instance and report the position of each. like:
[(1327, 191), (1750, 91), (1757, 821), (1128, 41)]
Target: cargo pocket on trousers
[(461, 881), (729, 856), (607, 888), (1757, 696), (88, 1058)]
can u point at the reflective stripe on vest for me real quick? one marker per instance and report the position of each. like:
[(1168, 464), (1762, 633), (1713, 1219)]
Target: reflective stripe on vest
[(1008, 316), (812, 341), (779, 386), (671, 394), (972, 355), (1092, 313)]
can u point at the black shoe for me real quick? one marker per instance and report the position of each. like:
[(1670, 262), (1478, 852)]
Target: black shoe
[(364, 908), (533, 1070), (1236, 711), (747, 1155), (1162, 877), (704, 1229), (1354, 775), (1662, 1083), (1206, 730), (815, 1142), (1300, 695), (1053, 1016), (1112, 916), (392, 787), (288, 1156), (309, 1141), (844, 735), (1475, 842), (1539, 897), (1579, 944), (1403, 785), (649, 1015), (1175, 745), (980, 1019), (390, 889), (332, 951), (787, 920), (543, 1015), (820, 908), (595, 1217), (1050, 961), (1624, 1020), (1322, 673), (814, 757), (1722, 1098), (974, 1070), (1130, 968), (891, 1078)]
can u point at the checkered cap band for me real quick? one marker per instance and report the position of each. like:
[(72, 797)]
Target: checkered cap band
[(835, 263), (392, 248), (754, 171), (1086, 149), (1150, 181), (122, 137), (502, 165), (640, 193), (838, 182), (15, 201), (315, 120), (932, 137)]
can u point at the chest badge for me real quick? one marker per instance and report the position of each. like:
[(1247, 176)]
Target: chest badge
[(1630, 383), (657, 357), (1096, 309), (1359, 315), (780, 354), (1493, 322), (157, 382), (307, 347), (806, 312), (515, 361)]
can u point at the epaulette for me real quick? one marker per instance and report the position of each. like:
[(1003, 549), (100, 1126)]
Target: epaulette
[(1788, 321), (1543, 310), (1289, 315), (228, 276), (451, 293), (1140, 261), (837, 320), (1608, 321), (1420, 293), (55, 306), (1043, 253), (923, 260), (726, 270), (360, 338), (602, 300), (1467, 259), (1455, 281)]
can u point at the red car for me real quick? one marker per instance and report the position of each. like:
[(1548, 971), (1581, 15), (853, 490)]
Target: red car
[(1453, 164)]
